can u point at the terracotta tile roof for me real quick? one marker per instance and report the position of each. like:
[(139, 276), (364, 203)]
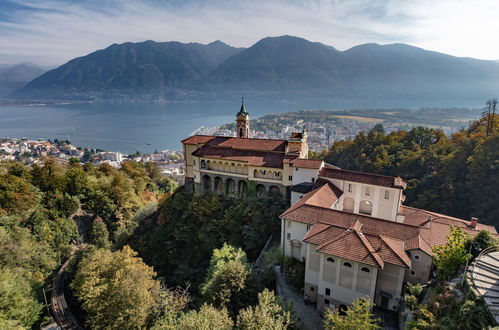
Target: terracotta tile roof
[(325, 194), (367, 178), (307, 163), (349, 243), (198, 139), (420, 217), (238, 143), (253, 158)]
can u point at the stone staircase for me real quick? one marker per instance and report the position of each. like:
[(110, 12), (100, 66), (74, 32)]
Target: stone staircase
[(484, 279)]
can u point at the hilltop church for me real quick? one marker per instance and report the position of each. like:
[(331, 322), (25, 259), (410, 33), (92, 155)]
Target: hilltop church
[(234, 166), (351, 229)]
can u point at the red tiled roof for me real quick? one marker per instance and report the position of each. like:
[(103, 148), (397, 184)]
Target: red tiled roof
[(238, 143), (420, 217), (307, 163), (324, 194), (367, 178), (198, 139), (253, 158)]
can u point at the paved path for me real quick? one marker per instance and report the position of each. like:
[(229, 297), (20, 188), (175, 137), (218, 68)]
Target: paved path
[(309, 317)]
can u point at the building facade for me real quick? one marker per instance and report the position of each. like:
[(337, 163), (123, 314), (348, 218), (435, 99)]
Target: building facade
[(358, 240), (236, 166)]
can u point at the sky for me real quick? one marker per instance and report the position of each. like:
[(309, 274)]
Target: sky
[(51, 32)]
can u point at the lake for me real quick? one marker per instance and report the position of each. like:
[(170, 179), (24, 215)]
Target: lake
[(124, 127)]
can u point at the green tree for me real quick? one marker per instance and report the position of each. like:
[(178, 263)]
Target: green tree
[(449, 257), (207, 318), (226, 276), (18, 304), (117, 289), (168, 308), (358, 316), (482, 241), (270, 313), (99, 236)]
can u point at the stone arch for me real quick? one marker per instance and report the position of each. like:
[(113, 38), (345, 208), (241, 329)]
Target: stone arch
[(239, 169), (348, 204), (260, 190), (205, 164), (366, 207), (230, 187), (226, 167), (242, 188), (219, 186), (274, 190), (206, 183)]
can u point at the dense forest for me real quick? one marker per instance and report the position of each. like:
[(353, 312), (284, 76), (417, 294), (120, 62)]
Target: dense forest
[(37, 229), (456, 175)]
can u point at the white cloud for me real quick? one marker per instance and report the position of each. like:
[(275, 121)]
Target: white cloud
[(57, 31)]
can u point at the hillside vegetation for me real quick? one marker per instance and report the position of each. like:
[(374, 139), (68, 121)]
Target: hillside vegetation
[(36, 227)]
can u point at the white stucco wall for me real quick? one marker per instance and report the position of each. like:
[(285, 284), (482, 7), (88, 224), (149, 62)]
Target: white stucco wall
[(293, 230), (304, 175), (340, 294)]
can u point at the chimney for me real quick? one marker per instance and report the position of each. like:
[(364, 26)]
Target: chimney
[(474, 222), (428, 221)]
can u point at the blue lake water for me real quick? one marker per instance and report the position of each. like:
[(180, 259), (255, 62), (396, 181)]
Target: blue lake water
[(124, 127)]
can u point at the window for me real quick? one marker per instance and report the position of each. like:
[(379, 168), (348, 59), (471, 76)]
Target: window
[(313, 180), (416, 257), (203, 163), (289, 224), (326, 301), (413, 273), (328, 292), (330, 259), (308, 227), (387, 194), (312, 288), (278, 174), (264, 172), (347, 265), (290, 178), (193, 162), (288, 236), (365, 270), (349, 187), (368, 191), (296, 169)]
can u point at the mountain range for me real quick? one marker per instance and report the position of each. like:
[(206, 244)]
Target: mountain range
[(284, 67), (13, 77)]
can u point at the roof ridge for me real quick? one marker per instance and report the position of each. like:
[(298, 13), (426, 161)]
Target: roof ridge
[(383, 238), (369, 247)]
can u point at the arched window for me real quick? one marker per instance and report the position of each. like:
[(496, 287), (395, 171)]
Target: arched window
[(348, 204), (203, 164), (365, 270), (330, 259), (347, 265), (366, 207)]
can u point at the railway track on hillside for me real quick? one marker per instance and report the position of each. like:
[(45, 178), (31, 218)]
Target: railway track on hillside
[(59, 307)]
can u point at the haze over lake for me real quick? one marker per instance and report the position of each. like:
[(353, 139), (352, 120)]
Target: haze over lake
[(123, 127)]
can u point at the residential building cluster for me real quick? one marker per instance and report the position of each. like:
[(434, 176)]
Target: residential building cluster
[(320, 134), (31, 151)]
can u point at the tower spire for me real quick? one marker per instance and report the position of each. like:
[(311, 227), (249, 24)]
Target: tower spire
[(242, 122)]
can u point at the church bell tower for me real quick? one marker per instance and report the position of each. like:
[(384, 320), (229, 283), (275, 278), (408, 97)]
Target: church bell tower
[(243, 122)]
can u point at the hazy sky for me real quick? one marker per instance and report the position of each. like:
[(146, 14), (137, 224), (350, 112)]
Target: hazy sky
[(54, 31)]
